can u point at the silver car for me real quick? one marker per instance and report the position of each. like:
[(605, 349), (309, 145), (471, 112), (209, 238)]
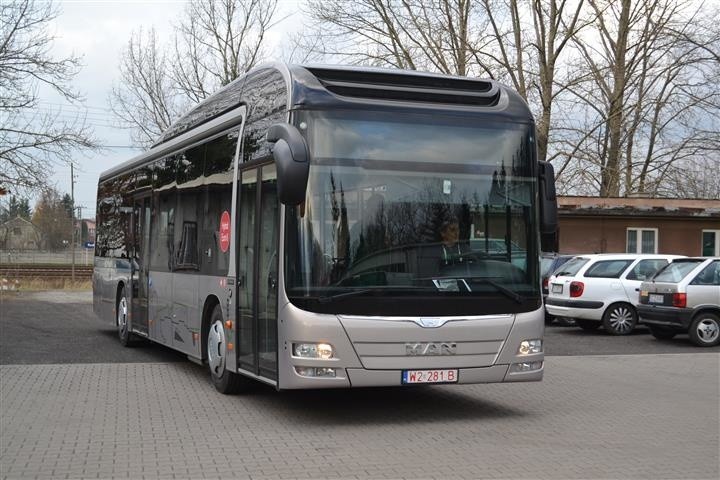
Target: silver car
[(684, 297)]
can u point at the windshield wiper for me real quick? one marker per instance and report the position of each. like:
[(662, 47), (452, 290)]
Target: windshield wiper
[(512, 295)]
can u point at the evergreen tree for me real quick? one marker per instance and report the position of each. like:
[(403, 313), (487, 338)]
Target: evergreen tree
[(15, 208)]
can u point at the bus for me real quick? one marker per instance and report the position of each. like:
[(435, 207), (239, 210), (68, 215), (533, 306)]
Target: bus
[(325, 227)]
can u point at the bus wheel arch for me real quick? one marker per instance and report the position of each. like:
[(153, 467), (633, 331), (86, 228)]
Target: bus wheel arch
[(224, 380), (207, 312)]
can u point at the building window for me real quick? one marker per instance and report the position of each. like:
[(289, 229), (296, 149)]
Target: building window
[(642, 240), (17, 231), (711, 243)]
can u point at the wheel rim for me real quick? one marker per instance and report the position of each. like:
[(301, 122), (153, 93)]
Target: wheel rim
[(216, 348), (122, 315), (708, 330), (621, 319)]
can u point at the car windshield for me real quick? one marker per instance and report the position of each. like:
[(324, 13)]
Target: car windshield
[(676, 271), (412, 207), (572, 267), (550, 264), (546, 264)]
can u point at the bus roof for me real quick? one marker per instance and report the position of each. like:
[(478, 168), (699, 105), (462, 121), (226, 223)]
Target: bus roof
[(346, 87)]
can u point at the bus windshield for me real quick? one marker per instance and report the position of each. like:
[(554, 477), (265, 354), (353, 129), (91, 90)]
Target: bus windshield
[(406, 210)]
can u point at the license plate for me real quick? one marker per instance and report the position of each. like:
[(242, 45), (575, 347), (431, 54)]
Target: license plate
[(429, 376), (557, 288), (656, 299)]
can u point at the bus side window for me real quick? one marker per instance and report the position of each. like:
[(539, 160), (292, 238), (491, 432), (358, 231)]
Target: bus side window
[(254, 145), (216, 201), (190, 166), (163, 217), (265, 93), (114, 213)]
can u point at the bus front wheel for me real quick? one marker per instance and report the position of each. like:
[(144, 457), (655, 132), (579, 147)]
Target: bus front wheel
[(123, 326), (225, 381)]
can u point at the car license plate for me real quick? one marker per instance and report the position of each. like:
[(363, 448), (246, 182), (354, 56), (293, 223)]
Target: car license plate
[(557, 288), (656, 298), (430, 376)]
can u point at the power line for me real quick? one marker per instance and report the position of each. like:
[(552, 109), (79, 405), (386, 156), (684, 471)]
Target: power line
[(87, 107)]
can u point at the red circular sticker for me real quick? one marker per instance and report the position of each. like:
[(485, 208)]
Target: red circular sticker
[(225, 231)]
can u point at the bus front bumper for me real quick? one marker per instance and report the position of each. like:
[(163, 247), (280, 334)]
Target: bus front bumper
[(360, 377)]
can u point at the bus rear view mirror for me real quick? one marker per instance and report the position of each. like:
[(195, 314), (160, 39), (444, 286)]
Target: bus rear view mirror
[(548, 207), (292, 161)]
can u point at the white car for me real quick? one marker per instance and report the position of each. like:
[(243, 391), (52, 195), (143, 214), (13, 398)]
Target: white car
[(602, 288)]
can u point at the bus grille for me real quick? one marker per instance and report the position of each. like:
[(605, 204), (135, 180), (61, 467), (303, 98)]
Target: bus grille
[(401, 343), (396, 356)]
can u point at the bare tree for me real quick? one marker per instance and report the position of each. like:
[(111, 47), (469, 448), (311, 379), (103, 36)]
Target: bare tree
[(525, 41), (646, 103), (408, 34), (214, 43), (518, 42), (32, 139), (51, 216), (146, 98)]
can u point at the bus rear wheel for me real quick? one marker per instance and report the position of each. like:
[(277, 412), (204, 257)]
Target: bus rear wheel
[(225, 381)]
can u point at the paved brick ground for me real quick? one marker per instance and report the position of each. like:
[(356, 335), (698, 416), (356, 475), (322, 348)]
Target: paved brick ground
[(641, 416)]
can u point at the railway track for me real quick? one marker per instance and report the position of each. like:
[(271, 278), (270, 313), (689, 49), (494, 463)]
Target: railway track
[(27, 271)]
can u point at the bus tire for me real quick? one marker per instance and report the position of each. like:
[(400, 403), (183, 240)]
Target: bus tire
[(122, 318), (225, 381)]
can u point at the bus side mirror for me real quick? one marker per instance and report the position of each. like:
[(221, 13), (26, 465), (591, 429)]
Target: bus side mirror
[(548, 207), (292, 160)]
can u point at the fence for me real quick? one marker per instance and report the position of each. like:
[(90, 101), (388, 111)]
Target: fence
[(83, 256)]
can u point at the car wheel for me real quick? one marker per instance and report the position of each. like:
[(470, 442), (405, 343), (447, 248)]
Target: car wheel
[(121, 320), (225, 381), (619, 319), (587, 324), (705, 330), (662, 333)]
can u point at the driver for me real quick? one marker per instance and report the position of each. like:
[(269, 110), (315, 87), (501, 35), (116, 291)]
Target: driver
[(452, 250)]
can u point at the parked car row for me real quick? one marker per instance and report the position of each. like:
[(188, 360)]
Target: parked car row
[(669, 293)]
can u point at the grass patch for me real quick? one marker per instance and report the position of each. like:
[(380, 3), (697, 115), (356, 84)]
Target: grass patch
[(40, 284)]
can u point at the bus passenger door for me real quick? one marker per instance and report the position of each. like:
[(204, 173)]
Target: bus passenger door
[(257, 271), (140, 263), (267, 265)]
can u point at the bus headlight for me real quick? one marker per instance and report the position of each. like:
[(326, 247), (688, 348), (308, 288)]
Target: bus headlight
[(323, 351), (315, 372), (528, 347), (525, 367)]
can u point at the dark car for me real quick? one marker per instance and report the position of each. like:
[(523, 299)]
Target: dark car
[(549, 263), (684, 297)]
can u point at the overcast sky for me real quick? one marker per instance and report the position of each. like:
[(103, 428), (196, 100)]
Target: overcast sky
[(98, 31)]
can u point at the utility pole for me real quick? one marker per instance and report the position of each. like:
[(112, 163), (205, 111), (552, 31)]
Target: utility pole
[(72, 215)]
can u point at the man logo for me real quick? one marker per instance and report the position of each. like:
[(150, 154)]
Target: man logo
[(432, 348), (430, 322)]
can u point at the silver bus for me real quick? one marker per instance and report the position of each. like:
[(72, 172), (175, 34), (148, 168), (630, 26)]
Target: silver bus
[(324, 227)]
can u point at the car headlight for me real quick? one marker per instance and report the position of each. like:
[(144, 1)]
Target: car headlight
[(528, 347), (323, 351)]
